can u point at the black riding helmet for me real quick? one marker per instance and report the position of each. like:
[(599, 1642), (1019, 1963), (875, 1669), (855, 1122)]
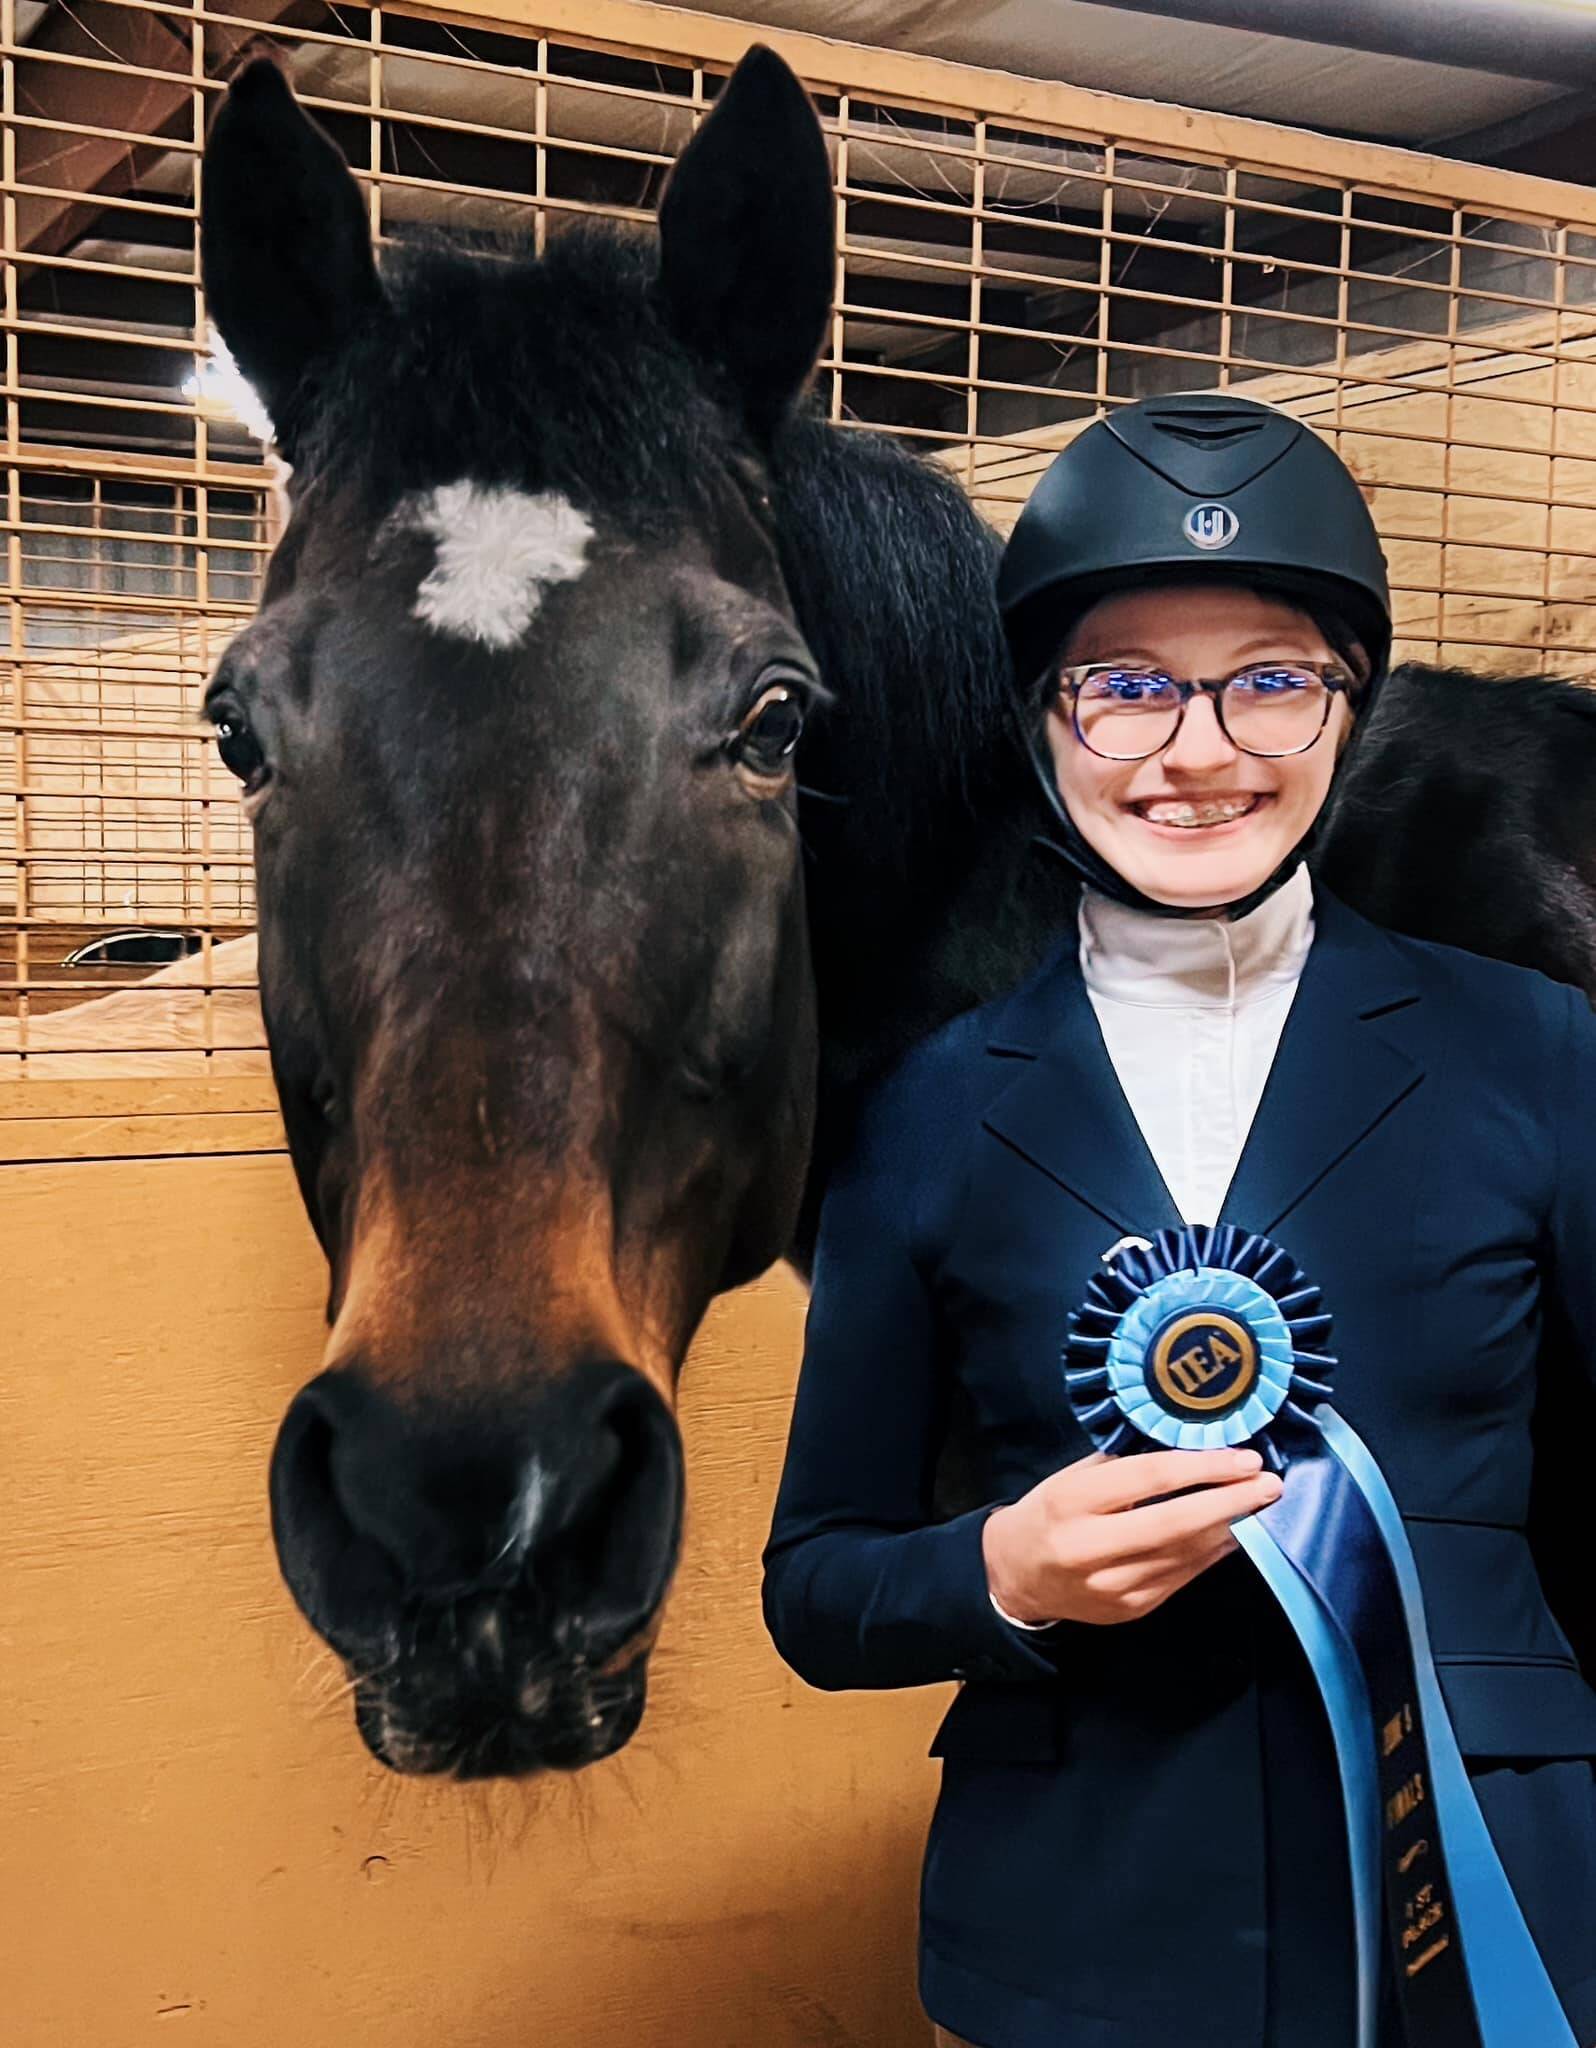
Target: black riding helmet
[(1176, 489)]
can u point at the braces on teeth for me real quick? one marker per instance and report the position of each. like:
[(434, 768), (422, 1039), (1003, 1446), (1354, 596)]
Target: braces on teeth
[(1196, 814)]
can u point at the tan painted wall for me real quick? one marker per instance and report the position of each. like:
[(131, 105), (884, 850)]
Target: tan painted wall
[(194, 1849)]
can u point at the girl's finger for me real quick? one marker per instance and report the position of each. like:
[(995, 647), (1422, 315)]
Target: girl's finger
[(1120, 1483), (1176, 1525)]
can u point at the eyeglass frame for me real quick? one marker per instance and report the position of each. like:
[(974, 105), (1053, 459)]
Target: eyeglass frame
[(1332, 674)]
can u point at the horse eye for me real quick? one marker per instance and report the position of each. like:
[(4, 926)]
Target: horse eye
[(241, 752), (767, 737)]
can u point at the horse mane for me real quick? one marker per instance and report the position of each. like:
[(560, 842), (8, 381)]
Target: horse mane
[(892, 572)]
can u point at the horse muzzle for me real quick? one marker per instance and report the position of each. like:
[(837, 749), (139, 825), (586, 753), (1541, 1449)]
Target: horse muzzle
[(491, 1567)]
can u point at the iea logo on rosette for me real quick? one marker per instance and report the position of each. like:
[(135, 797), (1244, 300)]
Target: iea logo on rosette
[(1203, 1362)]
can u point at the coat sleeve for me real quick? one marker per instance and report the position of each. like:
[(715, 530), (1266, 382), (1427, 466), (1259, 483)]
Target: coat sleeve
[(863, 1586), (1572, 1112), (1565, 1420)]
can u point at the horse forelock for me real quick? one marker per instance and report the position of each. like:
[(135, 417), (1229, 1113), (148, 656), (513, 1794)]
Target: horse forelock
[(550, 372)]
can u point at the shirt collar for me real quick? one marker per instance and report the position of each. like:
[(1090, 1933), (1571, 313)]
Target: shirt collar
[(1130, 956)]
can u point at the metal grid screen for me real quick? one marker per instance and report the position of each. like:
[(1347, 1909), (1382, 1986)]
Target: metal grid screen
[(1003, 276)]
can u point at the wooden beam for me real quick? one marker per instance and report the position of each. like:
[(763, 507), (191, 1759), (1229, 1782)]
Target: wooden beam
[(91, 94), (682, 35)]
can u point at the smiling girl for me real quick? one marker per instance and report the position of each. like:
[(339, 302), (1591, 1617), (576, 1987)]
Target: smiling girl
[(1198, 820), (1140, 1840)]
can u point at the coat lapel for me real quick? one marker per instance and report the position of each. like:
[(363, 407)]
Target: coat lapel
[(1344, 1062), (1346, 1058), (1065, 1111)]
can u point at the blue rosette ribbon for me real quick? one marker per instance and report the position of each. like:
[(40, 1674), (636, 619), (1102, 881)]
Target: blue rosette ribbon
[(1199, 1339)]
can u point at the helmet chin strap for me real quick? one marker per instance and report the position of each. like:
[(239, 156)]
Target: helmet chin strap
[(1090, 865)]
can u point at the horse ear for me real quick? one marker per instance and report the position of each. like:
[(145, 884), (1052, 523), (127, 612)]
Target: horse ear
[(285, 247), (745, 227)]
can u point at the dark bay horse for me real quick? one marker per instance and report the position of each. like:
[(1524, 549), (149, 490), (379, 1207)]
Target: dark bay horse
[(632, 769), (564, 581)]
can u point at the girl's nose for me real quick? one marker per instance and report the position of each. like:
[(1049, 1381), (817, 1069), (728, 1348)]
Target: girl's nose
[(1201, 744)]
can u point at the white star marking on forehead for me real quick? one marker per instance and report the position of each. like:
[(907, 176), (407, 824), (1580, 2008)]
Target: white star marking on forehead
[(499, 550)]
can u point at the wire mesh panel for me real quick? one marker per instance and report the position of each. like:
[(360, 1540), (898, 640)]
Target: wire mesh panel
[(1014, 258)]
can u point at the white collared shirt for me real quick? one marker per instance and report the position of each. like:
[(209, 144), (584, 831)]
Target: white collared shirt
[(1191, 1010)]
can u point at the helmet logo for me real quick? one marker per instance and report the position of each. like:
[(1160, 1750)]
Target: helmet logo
[(1211, 526)]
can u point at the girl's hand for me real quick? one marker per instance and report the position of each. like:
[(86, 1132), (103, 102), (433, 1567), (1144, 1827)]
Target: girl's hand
[(1101, 1541)]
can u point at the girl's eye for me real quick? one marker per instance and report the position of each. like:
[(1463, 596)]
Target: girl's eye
[(1277, 682), (241, 752), (768, 736), (1132, 686)]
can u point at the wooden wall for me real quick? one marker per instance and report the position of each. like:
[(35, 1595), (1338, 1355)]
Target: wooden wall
[(194, 1847)]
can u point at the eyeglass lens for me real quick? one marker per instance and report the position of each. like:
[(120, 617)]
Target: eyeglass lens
[(1128, 713)]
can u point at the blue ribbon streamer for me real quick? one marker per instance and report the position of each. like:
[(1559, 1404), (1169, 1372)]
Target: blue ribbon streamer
[(1513, 1996), (1206, 1337), (1346, 1698)]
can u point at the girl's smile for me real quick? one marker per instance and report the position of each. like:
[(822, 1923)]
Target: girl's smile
[(1208, 815)]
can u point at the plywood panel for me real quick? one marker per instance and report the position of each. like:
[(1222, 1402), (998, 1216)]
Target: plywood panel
[(193, 1846), (199, 1016)]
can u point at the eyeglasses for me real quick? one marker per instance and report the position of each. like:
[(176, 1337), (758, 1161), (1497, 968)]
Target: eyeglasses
[(1123, 712)]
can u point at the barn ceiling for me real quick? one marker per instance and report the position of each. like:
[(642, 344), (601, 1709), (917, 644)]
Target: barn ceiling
[(110, 252), (1163, 56)]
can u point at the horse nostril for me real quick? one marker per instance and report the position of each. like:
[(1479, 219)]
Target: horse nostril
[(371, 1497), (574, 1495), (342, 1575), (608, 1547)]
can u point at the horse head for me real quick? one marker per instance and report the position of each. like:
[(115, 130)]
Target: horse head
[(516, 725)]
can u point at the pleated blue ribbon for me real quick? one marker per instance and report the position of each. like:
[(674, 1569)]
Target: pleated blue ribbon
[(1201, 1338)]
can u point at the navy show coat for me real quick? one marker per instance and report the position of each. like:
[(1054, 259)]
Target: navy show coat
[(1138, 1842)]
